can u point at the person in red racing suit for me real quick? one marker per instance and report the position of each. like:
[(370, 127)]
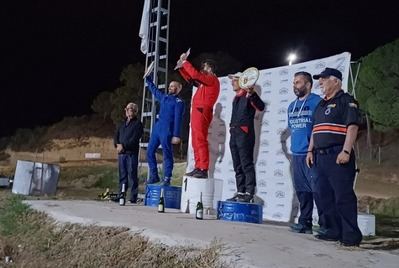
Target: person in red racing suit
[(205, 97)]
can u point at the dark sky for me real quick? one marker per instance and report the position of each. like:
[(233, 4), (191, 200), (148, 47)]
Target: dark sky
[(56, 56)]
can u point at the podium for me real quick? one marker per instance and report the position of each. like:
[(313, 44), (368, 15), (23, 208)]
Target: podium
[(239, 211), (192, 188), (172, 195)]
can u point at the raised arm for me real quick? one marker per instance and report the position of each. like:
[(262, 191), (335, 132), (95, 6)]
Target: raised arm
[(159, 95), (203, 78)]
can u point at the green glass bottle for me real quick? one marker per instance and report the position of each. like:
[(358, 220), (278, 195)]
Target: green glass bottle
[(199, 212), (161, 204)]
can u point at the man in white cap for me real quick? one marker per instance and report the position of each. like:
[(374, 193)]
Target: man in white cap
[(242, 139)]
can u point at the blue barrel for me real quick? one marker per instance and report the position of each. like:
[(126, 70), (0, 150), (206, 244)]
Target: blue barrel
[(172, 195), (239, 211)]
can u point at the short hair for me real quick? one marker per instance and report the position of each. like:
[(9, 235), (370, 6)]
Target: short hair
[(134, 107), (306, 75), (211, 63)]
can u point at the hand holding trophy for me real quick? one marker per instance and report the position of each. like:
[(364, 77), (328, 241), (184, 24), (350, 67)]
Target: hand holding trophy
[(182, 58), (248, 79)]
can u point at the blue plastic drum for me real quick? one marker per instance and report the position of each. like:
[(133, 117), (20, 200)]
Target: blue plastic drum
[(172, 195), (238, 211)]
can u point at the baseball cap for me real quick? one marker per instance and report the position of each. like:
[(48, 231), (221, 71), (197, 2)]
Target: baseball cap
[(235, 76), (329, 72)]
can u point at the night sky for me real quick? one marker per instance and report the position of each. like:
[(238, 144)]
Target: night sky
[(56, 56)]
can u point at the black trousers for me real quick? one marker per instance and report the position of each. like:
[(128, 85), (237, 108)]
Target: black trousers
[(337, 197), (242, 151)]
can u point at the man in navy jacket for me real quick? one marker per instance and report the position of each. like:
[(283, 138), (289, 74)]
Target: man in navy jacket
[(126, 142)]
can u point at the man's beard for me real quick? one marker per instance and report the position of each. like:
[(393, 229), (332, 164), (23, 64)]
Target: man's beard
[(300, 92)]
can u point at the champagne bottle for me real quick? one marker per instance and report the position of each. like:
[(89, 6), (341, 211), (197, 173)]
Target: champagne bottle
[(122, 196), (199, 212), (161, 204)]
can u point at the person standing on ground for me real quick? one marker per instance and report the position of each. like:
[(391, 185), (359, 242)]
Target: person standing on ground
[(126, 142), (336, 121), (300, 124)]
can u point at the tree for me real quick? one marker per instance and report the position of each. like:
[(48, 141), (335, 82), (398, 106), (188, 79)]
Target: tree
[(102, 104), (378, 91), (112, 104)]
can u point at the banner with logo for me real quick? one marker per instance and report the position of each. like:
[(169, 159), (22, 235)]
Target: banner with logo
[(274, 184)]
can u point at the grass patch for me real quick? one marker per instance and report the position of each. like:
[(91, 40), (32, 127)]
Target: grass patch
[(12, 211), (42, 243)]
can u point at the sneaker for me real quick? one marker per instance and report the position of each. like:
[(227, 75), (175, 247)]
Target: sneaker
[(236, 197), (246, 198), (300, 228), (191, 173), (166, 182), (201, 174)]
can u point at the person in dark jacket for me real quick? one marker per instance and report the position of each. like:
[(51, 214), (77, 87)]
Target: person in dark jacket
[(336, 123), (126, 142), (242, 139)]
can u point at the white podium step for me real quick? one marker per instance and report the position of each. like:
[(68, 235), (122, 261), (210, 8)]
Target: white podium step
[(192, 188)]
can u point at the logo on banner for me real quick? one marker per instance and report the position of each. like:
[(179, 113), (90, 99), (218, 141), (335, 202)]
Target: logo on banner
[(263, 193), (266, 73), (267, 83), (279, 194), (285, 80), (223, 98), (280, 130), (262, 183), (279, 152), (301, 68), (282, 110), (282, 121), (231, 181), (284, 101), (263, 172), (262, 163), (224, 89), (277, 215), (224, 82), (265, 131), (264, 152), (280, 183), (217, 170), (280, 162), (278, 173), (283, 72), (320, 65), (283, 91), (265, 122), (280, 205), (264, 143)]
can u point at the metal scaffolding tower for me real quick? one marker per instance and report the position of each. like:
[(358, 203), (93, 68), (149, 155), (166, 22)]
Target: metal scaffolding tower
[(157, 52)]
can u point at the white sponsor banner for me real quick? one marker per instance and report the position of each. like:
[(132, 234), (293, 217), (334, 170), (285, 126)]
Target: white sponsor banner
[(274, 86)]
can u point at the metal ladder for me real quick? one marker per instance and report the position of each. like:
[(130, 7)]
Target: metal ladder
[(158, 37)]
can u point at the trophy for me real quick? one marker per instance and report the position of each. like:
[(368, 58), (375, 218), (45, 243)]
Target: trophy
[(248, 78), (180, 61), (149, 69)]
